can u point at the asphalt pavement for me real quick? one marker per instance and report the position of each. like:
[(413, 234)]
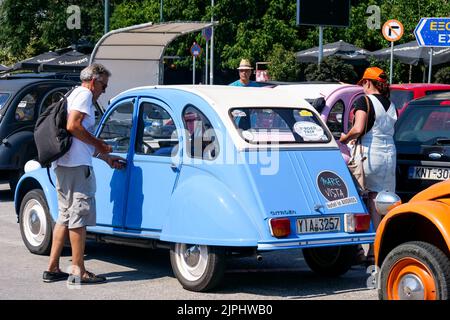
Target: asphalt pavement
[(136, 273)]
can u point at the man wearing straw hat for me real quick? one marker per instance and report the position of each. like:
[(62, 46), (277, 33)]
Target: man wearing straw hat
[(245, 71)]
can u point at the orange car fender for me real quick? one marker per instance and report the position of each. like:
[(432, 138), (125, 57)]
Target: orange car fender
[(436, 212)]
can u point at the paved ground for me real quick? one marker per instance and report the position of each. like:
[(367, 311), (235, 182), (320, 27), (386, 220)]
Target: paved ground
[(135, 273)]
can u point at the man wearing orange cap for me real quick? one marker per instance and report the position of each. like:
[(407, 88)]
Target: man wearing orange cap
[(245, 70), (373, 126)]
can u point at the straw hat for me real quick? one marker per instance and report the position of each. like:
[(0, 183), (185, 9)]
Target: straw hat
[(245, 65)]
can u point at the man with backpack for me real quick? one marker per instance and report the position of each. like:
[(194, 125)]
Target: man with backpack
[(75, 177)]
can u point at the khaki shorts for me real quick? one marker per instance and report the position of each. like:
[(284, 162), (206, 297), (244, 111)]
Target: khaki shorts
[(76, 196)]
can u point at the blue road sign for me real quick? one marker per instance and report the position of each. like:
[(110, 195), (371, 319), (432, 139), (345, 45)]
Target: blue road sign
[(196, 50), (207, 33), (433, 32)]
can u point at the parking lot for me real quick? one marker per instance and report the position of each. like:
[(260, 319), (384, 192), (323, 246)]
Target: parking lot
[(135, 273)]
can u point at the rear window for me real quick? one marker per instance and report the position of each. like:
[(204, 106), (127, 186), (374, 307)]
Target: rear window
[(423, 124), (401, 97), (278, 125)]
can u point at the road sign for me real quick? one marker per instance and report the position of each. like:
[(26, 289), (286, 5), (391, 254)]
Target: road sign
[(196, 50), (392, 30), (207, 33), (433, 32)]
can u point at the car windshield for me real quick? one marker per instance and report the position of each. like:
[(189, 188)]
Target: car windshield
[(424, 124), (279, 125), (401, 97), (3, 98)]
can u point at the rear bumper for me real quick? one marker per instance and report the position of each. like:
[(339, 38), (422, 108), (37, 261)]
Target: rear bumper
[(318, 240)]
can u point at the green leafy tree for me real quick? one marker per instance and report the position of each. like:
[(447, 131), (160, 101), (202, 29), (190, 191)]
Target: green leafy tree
[(283, 66), (443, 75), (332, 69)]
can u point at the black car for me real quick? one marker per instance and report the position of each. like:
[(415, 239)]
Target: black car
[(22, 99), (422, 140)]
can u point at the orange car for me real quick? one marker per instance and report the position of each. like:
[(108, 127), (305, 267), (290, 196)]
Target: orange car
[(412, 247)]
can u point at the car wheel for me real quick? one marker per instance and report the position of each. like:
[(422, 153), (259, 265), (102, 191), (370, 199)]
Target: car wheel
[(197, 267), (330, 261), (35, 222), (415, 271)]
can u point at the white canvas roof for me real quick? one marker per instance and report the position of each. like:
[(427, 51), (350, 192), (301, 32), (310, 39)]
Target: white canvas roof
[(134, 54)]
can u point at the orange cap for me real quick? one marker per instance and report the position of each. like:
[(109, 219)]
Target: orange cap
[(373, 73)]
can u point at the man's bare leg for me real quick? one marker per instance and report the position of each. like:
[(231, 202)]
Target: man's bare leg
[(59, 237), (78, 242)]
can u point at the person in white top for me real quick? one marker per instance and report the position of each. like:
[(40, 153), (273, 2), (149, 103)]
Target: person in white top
[(377, 139), (75, 179)]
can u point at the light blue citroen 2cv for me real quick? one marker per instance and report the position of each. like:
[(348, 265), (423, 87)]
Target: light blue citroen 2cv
[(212, 172)]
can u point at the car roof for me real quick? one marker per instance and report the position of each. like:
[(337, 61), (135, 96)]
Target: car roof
[(12, 85), (313, 90), (406, 86), (226, 97), (223, 98), (436, 98)]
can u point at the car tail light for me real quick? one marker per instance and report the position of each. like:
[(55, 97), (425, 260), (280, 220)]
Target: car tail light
[(356, 222), (280, 227), (445, 103)]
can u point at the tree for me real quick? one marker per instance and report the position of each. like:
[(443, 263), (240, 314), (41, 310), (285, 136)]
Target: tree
[(283, 66), (332, 69), (443, 75)]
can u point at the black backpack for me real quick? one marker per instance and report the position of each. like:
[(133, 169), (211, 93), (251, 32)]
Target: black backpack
[(50, 133)]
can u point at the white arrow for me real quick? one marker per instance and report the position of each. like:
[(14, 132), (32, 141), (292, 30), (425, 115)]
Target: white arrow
[(418, 30)]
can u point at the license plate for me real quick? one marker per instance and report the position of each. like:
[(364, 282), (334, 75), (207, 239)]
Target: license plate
[(428, 173), (319, 224)]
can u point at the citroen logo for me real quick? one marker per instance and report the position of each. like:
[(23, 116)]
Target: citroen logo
[(435, 156)]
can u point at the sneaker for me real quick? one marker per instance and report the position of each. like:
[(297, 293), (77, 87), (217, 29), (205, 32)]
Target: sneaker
[(49, 276), (90, 279)]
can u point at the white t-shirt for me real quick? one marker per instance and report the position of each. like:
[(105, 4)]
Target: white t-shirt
[(80, 153)]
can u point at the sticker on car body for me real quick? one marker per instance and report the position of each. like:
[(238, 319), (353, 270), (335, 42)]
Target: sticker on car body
[(334, 189)]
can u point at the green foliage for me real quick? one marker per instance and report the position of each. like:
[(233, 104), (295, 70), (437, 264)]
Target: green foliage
[(263, 30), (331, 69), (283, 66), (443, 75)]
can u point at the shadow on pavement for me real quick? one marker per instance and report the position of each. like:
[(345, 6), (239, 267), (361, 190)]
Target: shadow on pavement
[(280, 274)]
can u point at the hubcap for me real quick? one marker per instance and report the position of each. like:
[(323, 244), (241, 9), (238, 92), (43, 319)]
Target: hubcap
[(410, 279), (192, 260), (411, 288), (34, 222)]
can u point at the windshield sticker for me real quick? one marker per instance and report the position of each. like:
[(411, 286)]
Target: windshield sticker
[(305, 113), (247, 135), (334, 189), (238, 113), (309, 131)]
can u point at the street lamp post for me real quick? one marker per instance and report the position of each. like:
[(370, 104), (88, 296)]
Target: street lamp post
[(211, 67), (106, 16)]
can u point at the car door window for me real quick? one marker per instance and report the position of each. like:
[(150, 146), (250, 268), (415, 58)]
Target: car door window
[(201, 139), (52, 97), (157, 133), (116, 129), (26, 107), (335, 117)]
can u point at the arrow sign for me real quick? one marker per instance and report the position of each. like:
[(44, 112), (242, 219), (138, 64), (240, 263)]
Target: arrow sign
[(433, 32), (392, 30)]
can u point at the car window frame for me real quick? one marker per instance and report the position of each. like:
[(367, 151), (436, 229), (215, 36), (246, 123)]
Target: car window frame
[(342, 117), (107, 115), (161, 104)]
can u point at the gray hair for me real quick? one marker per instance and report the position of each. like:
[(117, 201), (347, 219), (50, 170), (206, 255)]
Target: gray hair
[(94, 71)]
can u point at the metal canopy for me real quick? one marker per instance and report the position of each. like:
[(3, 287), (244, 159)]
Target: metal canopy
[(134, 54)]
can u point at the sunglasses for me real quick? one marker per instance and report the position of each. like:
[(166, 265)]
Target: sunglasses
[(104, 85)]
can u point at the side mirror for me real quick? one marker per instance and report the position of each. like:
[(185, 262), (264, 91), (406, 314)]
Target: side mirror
[(386, 201)]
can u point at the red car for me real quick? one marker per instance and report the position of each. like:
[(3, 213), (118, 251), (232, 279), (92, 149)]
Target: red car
[(402, 94)]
